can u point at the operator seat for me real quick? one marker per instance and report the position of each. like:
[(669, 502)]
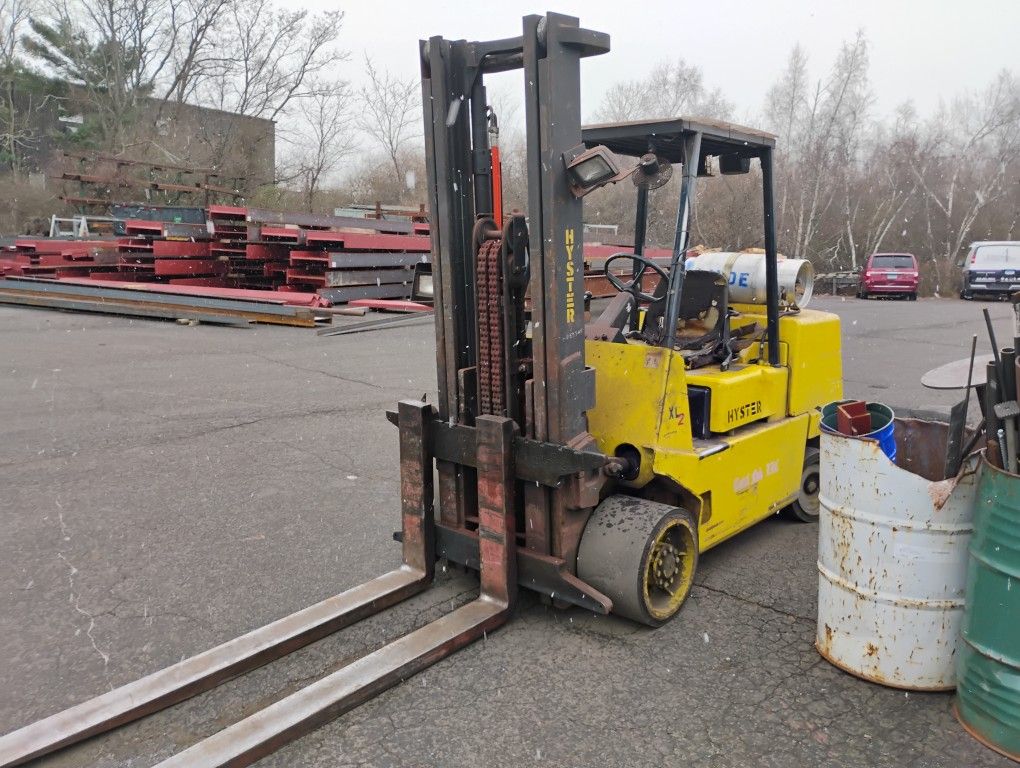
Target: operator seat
[(702, 336), (704, 311)]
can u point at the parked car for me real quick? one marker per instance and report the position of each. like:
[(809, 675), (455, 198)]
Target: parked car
[(991, 269), (889, 274)]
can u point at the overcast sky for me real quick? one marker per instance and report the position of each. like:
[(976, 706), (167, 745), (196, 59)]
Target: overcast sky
[(921, 50)]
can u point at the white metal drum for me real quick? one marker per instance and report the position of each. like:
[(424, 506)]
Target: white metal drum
[(892, 557)]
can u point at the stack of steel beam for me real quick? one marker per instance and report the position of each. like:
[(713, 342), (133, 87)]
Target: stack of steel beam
[(44, 257), (154, 251), (343, 257)]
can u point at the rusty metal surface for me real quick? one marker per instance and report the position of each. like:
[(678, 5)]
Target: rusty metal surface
[(892, 558), (491, 342), (921, 447), (540, 573)]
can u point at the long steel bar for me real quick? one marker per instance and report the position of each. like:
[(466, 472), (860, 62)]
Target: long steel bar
[(215, 666), (150, 309), (290, 718), (391, 226), (109, 308), (116, 293), (401, 321)]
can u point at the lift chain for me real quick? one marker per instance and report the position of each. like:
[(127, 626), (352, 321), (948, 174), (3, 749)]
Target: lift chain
[(491, 347)]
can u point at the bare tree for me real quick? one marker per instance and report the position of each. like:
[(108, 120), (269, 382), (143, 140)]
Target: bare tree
[(243, 56), (193, 53), (879, 185), (391, 114), (785, 103), (964, 163), (822, 133), (325, 136), (270, 56), (671, 89), (14, 14)]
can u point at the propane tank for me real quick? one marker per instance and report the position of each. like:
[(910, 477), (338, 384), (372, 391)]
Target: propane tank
[(745, 273)]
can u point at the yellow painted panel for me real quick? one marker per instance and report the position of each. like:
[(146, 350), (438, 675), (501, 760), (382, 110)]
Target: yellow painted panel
[(743, 394), (816, 360), (758, 474), (631, 400)]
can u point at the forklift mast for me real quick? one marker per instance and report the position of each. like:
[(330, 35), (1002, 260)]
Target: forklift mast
[(491, 360)]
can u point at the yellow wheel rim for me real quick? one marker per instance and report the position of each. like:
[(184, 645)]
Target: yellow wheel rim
[(669, 571)]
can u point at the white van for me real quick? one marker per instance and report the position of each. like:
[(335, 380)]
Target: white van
[(991, 269)]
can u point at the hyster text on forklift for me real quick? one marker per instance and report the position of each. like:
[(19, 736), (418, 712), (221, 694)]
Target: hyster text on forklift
[(591, 463)]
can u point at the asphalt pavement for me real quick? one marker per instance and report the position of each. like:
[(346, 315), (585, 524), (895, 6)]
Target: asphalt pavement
[(166, 488)]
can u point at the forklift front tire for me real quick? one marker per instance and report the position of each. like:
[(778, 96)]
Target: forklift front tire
[(641, 554), (805, 506)]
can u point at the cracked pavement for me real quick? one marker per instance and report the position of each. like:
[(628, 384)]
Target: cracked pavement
[(167, 488)]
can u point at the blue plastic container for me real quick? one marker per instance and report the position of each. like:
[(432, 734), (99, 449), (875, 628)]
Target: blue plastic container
[(883, 423)]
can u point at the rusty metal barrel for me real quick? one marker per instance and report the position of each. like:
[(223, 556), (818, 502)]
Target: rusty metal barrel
[(892, 556), (988, 664)]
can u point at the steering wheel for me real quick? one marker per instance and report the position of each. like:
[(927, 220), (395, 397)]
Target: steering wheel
[(632, 286)]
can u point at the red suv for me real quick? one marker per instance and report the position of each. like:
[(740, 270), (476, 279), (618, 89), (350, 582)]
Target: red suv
[(891, 274)]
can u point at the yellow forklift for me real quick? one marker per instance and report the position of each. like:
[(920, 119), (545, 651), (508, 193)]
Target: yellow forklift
[(713, 406), (587, 462)]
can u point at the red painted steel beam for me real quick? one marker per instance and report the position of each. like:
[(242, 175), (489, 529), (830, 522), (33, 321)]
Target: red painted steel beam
[(356, 241), (184, 267), (179, 248), (293, 298), (227, 212)]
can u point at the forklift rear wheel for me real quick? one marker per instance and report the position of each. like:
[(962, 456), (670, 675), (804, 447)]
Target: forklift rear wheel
[(805, 506), (642, 554)]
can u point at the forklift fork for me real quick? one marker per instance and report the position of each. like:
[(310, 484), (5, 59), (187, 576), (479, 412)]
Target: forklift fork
[(287, 719)]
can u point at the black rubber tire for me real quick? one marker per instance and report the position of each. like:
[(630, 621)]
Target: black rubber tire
[(620, 555), (863, 295), (912, 297), (806, 507)]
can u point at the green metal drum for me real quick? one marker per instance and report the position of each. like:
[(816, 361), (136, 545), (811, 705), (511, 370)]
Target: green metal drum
[(988, 666)]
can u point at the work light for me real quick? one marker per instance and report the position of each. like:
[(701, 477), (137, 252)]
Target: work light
[(591, 168)]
